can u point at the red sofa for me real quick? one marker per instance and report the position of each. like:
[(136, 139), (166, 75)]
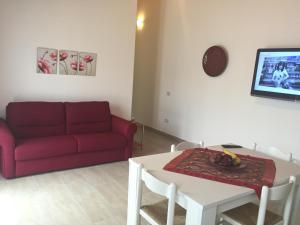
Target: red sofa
[(46, 136)]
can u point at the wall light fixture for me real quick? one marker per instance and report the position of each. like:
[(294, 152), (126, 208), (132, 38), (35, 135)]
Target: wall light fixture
[(140, 22)]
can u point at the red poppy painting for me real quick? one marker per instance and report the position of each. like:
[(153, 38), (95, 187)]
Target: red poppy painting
[(89, 60), (46, 62), (68, 62)]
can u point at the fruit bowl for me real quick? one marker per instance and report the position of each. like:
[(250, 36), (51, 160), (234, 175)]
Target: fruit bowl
[(224, 161)]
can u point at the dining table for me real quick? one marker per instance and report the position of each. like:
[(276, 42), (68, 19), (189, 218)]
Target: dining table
[(205, 199)]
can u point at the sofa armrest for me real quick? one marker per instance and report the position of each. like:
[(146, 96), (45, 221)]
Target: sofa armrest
[(127, 129), (7, 147)]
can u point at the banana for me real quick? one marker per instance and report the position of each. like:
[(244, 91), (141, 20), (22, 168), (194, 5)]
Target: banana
[(227, 152), (235, 159)]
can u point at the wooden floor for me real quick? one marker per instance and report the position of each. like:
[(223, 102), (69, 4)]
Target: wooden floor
[(94, 195)]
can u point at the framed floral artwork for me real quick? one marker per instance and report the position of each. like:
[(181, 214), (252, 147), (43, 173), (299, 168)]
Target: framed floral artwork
[(68, 62), (87, 64), (46, 62)]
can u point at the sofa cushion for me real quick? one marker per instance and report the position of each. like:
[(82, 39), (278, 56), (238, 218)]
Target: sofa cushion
[(100, 142), (36, 119), (87, 117), (45, 147)]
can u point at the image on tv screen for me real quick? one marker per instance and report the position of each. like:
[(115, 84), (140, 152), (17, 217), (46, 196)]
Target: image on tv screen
[(278, 72)]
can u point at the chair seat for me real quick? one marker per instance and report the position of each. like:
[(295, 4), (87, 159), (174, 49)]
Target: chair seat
[(247, 215), (158, 212)]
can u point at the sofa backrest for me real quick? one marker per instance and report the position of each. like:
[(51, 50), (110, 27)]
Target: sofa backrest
[(36, 119), (87, 117)]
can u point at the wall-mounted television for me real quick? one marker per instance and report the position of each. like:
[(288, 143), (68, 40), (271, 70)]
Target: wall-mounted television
[(277, 73)]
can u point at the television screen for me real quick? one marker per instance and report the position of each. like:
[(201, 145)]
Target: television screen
[(277, 73)]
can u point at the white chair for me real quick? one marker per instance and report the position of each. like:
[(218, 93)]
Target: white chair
[(274, 152), (165, 212), (186, 145), (251, 214), (297, 161), (277, 153)]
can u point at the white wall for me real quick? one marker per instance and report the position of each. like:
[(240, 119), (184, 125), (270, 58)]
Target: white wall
[(100, 26), (146, 50), (220, 109)]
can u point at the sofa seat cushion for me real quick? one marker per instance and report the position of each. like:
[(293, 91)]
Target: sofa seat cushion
[(45, 147), (100, 141)]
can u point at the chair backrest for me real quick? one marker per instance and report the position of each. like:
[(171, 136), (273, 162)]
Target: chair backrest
[(158, 187), (283, 192), (186, 145), (297, 161), (274, 152)]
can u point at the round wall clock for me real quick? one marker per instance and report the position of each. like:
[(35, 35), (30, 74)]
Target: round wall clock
[(214, 61)]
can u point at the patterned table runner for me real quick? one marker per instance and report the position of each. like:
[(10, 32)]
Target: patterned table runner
[(195, 162)]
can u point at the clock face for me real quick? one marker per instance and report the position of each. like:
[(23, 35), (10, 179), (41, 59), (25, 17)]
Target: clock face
[(214, 61)]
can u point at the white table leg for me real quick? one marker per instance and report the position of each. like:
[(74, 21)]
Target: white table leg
[(133, 195), (295, 216), (197, 215)]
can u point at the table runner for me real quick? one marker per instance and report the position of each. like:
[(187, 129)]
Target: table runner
[(195, 162)]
